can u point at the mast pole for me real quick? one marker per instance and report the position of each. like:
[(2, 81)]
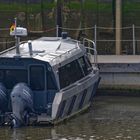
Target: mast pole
[(17, 39)]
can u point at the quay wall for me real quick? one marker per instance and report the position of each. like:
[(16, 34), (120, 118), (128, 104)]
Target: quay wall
[(119, 73)]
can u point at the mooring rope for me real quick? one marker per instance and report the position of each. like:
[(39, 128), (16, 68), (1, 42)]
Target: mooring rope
[(75, 29)]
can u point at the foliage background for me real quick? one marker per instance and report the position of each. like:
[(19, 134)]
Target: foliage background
[(40, 15)]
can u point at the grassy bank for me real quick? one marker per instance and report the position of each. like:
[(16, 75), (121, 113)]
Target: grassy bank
[(87, 5), (15, 7)]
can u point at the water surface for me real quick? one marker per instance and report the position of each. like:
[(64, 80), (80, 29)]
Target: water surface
[(109, 118)]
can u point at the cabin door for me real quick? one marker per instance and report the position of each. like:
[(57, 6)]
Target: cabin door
[(37, 83)]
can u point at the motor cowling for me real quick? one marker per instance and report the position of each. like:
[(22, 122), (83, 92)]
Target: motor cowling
[(22, 104), (3, 98)]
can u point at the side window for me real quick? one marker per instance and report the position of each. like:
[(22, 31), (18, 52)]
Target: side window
[(10, 77), (69, 74), (86, 65), (1, 75), (51, 83), (88, 62), (37, 77)]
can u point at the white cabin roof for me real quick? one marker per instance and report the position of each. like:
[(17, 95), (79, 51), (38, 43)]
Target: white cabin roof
[(50, 49)]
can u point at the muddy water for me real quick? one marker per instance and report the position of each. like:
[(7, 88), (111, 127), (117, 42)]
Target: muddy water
[(109, 118)]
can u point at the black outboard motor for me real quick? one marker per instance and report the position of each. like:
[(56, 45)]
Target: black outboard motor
[(3, 98), (22, 104)]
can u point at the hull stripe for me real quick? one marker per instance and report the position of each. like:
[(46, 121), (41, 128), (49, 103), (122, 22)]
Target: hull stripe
[(82, 99), (62, 107), (71, 105), (94, 90)]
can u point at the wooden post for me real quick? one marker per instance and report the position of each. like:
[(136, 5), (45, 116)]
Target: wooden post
[(134, 40), (118, 26)]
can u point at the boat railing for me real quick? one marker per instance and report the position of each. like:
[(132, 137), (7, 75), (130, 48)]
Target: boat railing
[(91, 49)]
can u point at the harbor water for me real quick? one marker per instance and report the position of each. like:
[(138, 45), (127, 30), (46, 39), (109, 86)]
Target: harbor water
[(109, 118)]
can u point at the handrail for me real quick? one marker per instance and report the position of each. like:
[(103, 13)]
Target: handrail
[(89, 48)]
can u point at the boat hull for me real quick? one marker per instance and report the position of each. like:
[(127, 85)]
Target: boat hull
[(75, 98)]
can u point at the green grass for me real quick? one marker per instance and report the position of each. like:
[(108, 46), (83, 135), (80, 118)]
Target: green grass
[(131, 6), (24, 7), (90, 5)]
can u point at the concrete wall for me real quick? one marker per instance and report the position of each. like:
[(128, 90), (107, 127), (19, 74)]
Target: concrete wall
[(119, 73), (120, 76)]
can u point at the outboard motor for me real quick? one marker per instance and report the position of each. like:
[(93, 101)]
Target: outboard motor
[(22, 104), (3, 98)]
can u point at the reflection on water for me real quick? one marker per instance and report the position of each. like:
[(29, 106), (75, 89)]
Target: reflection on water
[(114, 118)]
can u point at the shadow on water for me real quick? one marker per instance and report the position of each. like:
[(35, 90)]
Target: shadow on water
[(109, 117)]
